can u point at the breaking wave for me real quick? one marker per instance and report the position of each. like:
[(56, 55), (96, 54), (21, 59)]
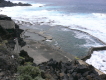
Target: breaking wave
[(92, 23)]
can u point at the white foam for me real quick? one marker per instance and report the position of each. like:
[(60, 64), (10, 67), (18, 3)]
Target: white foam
[(49, 40), (56, 43), (93, 24), (38, 5), (98, 60), (65, 29), (89, 41)]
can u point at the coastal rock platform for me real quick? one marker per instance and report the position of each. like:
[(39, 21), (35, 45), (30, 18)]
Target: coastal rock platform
[(47, 57), (42, 52)]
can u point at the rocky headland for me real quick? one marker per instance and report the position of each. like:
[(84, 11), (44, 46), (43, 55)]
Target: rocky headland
[(4, 3), (31, 59)]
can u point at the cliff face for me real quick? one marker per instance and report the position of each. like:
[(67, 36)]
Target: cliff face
[(4, 3), (9, 31), (9, 60)]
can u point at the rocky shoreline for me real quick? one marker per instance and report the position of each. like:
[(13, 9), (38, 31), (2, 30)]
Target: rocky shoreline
[(52, 69), (14, 64), (91, 50), (9, 60), (4, 3)]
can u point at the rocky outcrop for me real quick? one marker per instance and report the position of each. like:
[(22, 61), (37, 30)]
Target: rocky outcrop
[(4, 17), (10, 33), (53, 70), (8, 64), (9, 60), (4, 3), (103, 76), (18, 32), (26, 57), (70, 71)]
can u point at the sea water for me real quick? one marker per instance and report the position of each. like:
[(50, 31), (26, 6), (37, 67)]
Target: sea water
[(77, 25)]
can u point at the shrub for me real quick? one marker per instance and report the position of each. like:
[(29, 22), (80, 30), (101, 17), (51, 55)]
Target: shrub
[(24, 77), (38, 78), (21, 57), (48, 76), (29, 72), (76, 57)]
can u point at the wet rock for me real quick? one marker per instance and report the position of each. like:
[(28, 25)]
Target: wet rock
[(92, 49), (48, 37)]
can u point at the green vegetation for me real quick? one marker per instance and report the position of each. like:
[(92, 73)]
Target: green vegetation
[(29, 72), (48, 76), (76, 57), (21, 58)]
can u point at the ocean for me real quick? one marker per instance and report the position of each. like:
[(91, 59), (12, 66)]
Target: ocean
[(75, 25)]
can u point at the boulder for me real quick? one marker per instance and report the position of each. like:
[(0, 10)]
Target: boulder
[(25, 55), (71, 71)]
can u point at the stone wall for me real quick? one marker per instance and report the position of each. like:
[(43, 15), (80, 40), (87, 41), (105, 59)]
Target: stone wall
[(91, 51)]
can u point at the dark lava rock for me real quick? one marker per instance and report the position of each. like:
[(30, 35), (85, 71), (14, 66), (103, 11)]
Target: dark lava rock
[(4, 3), (17, 33), (25, 55), (82, 68), (8, 64), (2, 17), (71, 71), (21, 42), (103, 76)]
